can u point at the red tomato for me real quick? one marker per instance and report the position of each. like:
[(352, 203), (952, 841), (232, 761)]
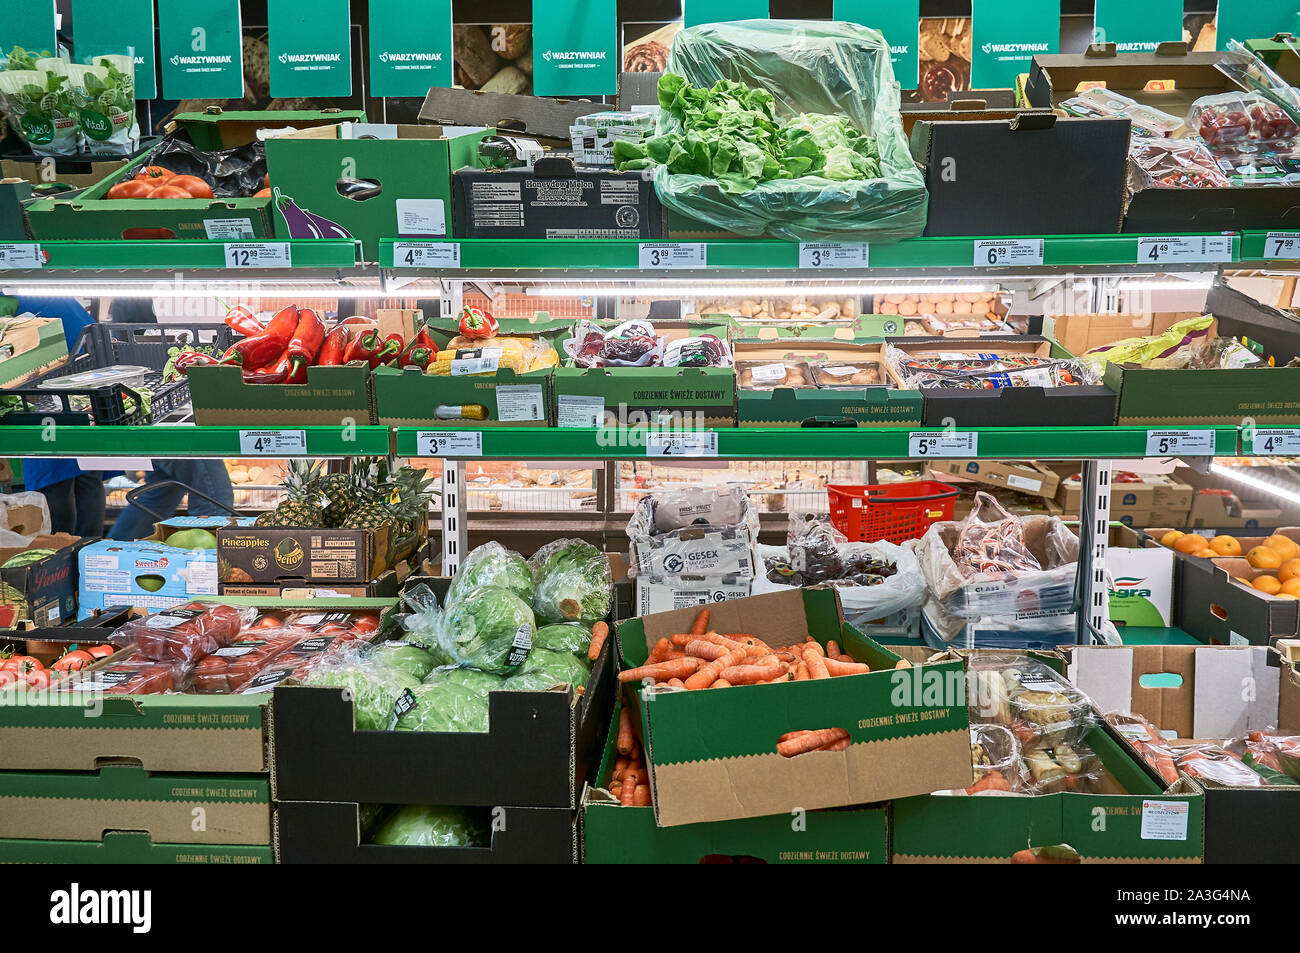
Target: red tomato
[(25, 663), (73, 661), (267, 622), (196, 187), (154, 172), (8, 676), (131, 189), (365, 623), (38, 678), (262, 194), (101, 651), (169, 191)]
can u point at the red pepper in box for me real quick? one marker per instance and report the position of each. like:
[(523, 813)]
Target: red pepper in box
[(388, 350), (265, 348), (335, 346), (416, 357), (134, 675), (187, 359), (363, 347), (306, 344), (243, 321), (228, 668), (276, 373), (477, 324)]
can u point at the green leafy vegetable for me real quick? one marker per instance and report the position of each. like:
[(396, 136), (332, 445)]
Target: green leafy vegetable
[(574, 583), (418, 825), (444, 705), (492, 565), (571, 637), (375, 688), (490, 629), (406, 657), (546, 669)]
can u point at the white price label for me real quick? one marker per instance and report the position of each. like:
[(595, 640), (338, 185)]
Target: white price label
[(426, 254), (1008, 251), (258, 255), (1279, 442), (1282, 245), (228, 229), (690, 443), (27, 255), (449, 443), (272, 443), (580, 410), (1165, 820), (833, 255), (1184, 248), (939, 443), (520, 402), (1191, 443), (673, 255)]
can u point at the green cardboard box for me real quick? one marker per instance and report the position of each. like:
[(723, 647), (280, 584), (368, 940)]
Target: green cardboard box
[(1155, 397), (1102, 828), (172, 808), (128, 847), (28, 347), (410, 166), (614, 834), (411, 398), (332, 396), (215, 128), (712, 754)]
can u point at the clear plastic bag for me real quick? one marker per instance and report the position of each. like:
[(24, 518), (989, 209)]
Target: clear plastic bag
[(573, 582), (1063, 766), (373, 685), (1229, 118), (1212, 762), (134, 675), (667, 510), (992, 547), (186, 632), (492, 565), (450, 699), (1176, 164), (229, 668), (823, 67), (571, 637), (1147, 741), (1277, 751), (995, 758), (1036, 703), (547, 669), (418, 825), (489, 628)]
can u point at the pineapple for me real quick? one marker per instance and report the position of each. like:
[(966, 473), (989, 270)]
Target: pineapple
[(414, 492), (369, 515), (341, 493), (303, 506)]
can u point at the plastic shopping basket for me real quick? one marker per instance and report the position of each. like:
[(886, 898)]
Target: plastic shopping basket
[(893, 511)]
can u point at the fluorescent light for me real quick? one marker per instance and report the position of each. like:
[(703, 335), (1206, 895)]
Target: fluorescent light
[(1255, 483)]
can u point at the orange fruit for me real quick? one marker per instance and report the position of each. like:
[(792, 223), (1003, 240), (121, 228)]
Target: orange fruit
[(1190, 542), (1284, 547), (1244, 582), (1170, 538), (1289, 570), (1206, 553), (1262, 557), (1291, 587), (1268, 584), (1226, 545)]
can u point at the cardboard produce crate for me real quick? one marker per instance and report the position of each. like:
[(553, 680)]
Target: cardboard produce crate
[(712, 754), (1242, 825), (30, 347), (332, 396), (217, 128), (328, 832), (1080, 333), (1215, 608), (1154, 492), (537, 752), (616, 834), (411, 398), (1155, 397), (1028, 477), (41, 593), (262, 554), (113, 574), (127, 847), (171, 808)]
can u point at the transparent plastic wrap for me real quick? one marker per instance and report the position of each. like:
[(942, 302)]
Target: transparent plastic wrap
[(1051, 769), (489, 628), (450, 699), (492, 565), (694, 551), (185, 632), (301, 658), (1175, 164), (489, 355), (1147, 741), (106, 112), (877, 579), (36, 96), (134, 675), (995, 757), (1275, 750), (418, 825), (406, 657), (1036, 703), (1172, 349), (573, 582), (1211, 762), (547, 669), (799, 77), (630, 344), (1231, 118), (571, 637), (373, 685), (25, 499), (666, 510), (229, 668), (985, 371), (1011, 585), (419, 625), (769, 375)]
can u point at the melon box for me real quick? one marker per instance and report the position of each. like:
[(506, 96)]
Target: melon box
[(147, 574), (38, 582)]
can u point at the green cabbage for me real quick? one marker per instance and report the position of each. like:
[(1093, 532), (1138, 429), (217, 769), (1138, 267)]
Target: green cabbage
[(546, 669), (574, 583), (490, 629), (375, 688), (574, 637), (470, 678), (418, 825), (492, 565), (442, 705), (405, 656)]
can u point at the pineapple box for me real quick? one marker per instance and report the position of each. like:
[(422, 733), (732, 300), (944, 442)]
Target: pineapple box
[(255, 554)]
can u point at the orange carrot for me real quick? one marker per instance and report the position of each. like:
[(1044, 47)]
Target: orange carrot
[(662, 671), (720, 683), (832, 649), (801, 672), (675, 683), (641, 796), (625, 737), (816, 663), (840, 667), (659, 652), (705, 650), (841, 745), (815, 646), (682, 639), (627, 792), (993, 781), (705, 675), (845, 657), (810, 741), (599, 632), (903, 663), (701, 624), (752, 674)]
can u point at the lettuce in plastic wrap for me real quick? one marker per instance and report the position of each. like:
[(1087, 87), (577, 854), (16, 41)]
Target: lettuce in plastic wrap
[(492, 565), (546, 669), (574, 583), (419, 825), (490, 629)]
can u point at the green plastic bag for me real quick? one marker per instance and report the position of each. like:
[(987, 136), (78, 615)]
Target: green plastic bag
[(808, 66)]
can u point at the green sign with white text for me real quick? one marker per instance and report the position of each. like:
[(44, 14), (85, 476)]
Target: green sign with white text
[(29, 24), (1006, 35), (122, 27), (724, 11), (310, 48), (1256, 20), (898, 20), (575, 48), (410, 47), (200, 49), (1137, 27)]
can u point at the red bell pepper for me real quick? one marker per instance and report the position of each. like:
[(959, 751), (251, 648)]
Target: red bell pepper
[(388, 350), (243, 321), (277, 373), (187, 359), (306, 344), (424, 339), (335, 346), (416, 356), (265, 348), (363, 346), (475, 323)]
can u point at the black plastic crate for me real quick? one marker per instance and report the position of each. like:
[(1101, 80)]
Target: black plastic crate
[(103, 345)]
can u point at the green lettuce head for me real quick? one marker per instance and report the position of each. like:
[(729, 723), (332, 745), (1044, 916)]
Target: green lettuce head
[(375, 688), (418, 825), (574, 583), (546, 669), (443, 705), (490, 629), (492, 565)]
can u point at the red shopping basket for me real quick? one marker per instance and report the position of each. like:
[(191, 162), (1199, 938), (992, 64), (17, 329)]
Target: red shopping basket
[(893, 511)]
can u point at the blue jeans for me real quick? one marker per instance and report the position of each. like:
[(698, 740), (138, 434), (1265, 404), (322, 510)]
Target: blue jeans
[(206, 476)]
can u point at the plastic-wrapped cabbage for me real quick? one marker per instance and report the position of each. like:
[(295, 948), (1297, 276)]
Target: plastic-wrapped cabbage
[(406, 656), (368, 816), (490, 629), (546, 669), (470, 678), (420, 625), (573, 637), (375, 687), (573, 581), (443, 705), (419, 825), (492, 565)]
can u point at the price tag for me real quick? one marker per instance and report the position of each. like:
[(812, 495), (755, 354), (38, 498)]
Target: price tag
[(686, 443), (1008, 251), (426, 254), (449, 443), (1165, 820), (1282, 245), (21, 256), (833, 254), (939, 443), (580, 410), (258, 255), (1184, 248), (272, 443), (1169, 443), (1280, 442), (520, 402), (673, 255)]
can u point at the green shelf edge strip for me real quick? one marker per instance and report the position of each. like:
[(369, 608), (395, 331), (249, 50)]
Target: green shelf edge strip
[(1254, 245), (181, 441), (177, 255)]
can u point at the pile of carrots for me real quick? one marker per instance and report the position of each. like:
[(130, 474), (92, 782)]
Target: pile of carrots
[(629, 780), (702, 658)]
